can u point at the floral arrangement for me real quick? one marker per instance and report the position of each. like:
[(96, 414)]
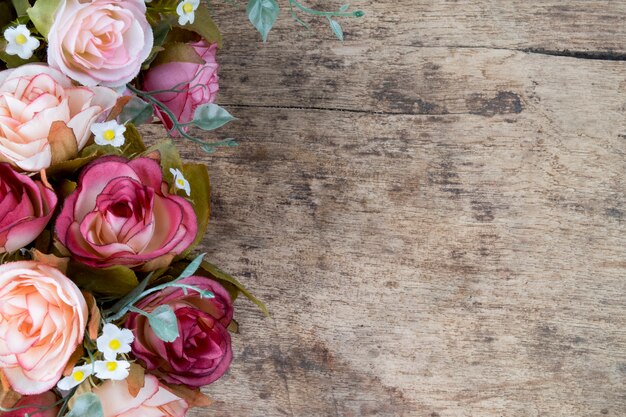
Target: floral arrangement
[(104, 309)]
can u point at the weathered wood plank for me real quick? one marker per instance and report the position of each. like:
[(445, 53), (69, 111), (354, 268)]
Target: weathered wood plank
[(453, 243), (552, 25), (374, 78), (456, 264)]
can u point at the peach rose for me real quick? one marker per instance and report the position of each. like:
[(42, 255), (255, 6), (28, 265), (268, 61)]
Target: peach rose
[(100, 42), (34, 96), (152, 400), (42, 321)]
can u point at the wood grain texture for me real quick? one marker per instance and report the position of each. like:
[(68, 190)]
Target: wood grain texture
[(435, 217)]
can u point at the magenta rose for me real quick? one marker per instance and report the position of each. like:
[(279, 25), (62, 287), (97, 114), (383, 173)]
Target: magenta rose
[(25, 208), (121, 213), (197, 84), (202, 353), (41, 405)]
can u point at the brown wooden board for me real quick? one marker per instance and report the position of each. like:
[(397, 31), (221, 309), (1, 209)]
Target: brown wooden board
[(435, 217)]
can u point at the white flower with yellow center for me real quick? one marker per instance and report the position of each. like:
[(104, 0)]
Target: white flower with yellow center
[(185, 10), (20, 42), (79, 374), (114, 341), (108, 133), (180, 182), (116, 370)]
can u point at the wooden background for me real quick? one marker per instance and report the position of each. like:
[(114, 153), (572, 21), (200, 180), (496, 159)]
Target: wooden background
[(433, 211)]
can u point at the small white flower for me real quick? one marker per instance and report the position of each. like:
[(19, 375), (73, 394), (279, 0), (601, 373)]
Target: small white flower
[(108, 133), (185, 10), (20, 42), (180, 181), (116, 370), (114, 341), (79, 374)]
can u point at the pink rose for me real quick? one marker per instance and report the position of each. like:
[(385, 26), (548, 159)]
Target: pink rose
[(121, 213), (202, 353), (152, 400), (42, 321), (101, 41), (34, 96), (197, 84), (47, 400), (25, 208)]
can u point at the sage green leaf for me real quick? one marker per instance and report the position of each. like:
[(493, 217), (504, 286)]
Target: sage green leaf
[(164, 323), (204, 26), (42, 15), (86, 405), (336, 27), (263, 15), (136, 112), (344, 8), (192, 267), (220, 275), (210, 116)]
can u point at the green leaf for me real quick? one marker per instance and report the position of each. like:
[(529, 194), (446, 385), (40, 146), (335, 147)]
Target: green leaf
[(263, 15), (204, 26), (42, 15), (167, 154), (344, 8), (164, 323), (86, 405), (220, 275), (114, 281), (121, 307), (137, 112), (336, 27), (133, 143), (210, 116), (178, 52), (200, 186), (21, 6)]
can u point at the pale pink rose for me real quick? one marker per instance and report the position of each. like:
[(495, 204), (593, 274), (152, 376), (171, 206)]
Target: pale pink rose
[(122, 213), (153, 400), (198, 84), (100, 42), (42, 321), (34, 96)]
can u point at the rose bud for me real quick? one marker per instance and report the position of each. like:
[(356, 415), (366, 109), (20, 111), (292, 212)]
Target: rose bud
[(25, 208), (121, 213), (100, 42), (32, 98), (202, 352), (195, 84), (152, 400), (42, 321)]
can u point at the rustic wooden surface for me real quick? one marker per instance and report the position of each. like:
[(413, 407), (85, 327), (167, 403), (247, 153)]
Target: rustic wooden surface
[(433, 211)]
